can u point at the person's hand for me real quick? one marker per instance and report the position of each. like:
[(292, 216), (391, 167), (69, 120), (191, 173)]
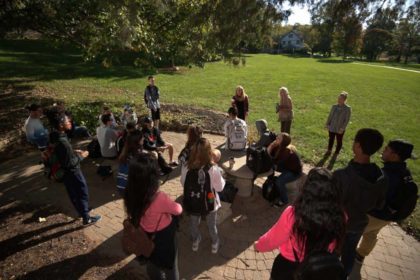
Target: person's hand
[(160, 149), (340, 131), (83, 154)]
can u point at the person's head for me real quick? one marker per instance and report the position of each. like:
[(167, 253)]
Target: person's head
[(194, 132), (319, 216), (201, 154), (106, 119), (151, 80), (35, 110), (284, 139), (233, 112), (342, 98), (283, 92), (397, 151), (59, 121), (215, 155), (130, 127), (106, 110), (240, 92), (142, 185), (132, 145), (367, 141), (148, 122)]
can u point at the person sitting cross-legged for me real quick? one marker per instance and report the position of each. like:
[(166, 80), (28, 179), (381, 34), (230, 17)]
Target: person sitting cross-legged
[(154, 142), (236, 131)]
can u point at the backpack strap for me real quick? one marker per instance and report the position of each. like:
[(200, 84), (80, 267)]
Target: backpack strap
[(295, 255)]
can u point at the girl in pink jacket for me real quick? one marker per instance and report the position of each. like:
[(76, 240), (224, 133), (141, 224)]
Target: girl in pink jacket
[(315, 221)]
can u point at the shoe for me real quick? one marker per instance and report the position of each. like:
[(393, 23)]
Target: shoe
[(91, 220), (196, 244), (173, 163), (359, 258), (278, 204), (215, 247)]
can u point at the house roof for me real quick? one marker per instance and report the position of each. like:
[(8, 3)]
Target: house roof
[(293, 31)]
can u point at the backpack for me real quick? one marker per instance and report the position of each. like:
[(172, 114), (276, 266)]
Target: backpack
[(268, 191), (258, 160), (94, 149), (237, 135), (229, 192), (319, 264), (199, 198), (52, 166), (120, 143), (405, 198)]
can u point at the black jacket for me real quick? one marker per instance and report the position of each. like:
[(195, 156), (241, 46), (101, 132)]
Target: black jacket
[(363, 187), (68, 159), (395, 172), (152, 139)]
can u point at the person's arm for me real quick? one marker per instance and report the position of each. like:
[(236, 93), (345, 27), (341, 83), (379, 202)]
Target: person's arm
[(246, 105), (278, 234), (329, 116), (167, 205), (346, 120), (216, 180), (67, 158), (146, 96), (159, 140), (226, 128)]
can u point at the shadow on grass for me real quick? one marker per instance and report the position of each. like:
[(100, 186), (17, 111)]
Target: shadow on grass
[(333, 61)]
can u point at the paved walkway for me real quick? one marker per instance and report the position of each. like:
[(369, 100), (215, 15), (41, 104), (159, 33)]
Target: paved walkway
[(389, 67), (396, 256)]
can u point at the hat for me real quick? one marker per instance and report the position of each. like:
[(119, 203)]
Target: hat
[(402, 148), (147, 120)]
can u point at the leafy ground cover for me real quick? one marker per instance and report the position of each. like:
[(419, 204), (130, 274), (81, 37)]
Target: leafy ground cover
[(382, 98)]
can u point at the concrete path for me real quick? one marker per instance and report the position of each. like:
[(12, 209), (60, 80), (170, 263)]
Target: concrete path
[(396, 256), (389, 67)]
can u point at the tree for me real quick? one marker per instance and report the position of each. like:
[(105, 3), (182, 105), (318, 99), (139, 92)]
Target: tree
[(312, 37), (348, 36)]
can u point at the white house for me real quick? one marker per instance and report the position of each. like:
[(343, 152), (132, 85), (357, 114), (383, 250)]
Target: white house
[(292, 40)]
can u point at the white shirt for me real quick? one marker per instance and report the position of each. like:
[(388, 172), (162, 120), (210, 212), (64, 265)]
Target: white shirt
[(32, 127), (107, 138)]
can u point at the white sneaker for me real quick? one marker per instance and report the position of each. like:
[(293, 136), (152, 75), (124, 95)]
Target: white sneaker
[(196, 244), (215, 247)]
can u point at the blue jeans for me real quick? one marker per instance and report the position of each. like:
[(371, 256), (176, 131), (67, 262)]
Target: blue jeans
[(348, 253), (77, 189), (280, 184), (39, 139)]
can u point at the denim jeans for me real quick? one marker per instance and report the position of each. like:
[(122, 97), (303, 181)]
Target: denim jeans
[(348, 252), (77, 189), (211, 224), (280, 184), (39, 139)]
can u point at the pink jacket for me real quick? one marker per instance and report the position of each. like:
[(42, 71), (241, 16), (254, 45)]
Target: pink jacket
[(280, 237), (162, 206)]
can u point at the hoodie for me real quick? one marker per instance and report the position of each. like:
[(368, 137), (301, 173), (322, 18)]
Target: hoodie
[(69, 160), (364, 188)]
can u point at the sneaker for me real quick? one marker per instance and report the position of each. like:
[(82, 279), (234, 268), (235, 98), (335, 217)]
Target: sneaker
[(196, 244), (359, 258), (91, 220), (166, 171), (215, 247), (173, 163)]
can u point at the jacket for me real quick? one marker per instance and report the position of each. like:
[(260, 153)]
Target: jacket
[(338, 118), (152, 139), (151, 97), (364, 188), (68, 159)]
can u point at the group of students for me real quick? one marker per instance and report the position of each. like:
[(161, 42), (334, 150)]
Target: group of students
[(333, 212)]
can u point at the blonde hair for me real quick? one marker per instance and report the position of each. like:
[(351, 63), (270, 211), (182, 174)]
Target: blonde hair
[(201, 154), (243, 96), (283, 89), (344, 94)]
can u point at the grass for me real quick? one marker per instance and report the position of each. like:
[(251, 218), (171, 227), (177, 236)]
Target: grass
[(381, 98)]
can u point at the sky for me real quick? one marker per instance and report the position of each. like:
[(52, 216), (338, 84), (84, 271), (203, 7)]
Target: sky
[(299, 15)]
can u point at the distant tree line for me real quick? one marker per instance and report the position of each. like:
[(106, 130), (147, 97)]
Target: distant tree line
[(175, 32)]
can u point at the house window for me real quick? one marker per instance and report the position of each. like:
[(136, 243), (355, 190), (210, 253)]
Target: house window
[(290, 35), (297, 42)]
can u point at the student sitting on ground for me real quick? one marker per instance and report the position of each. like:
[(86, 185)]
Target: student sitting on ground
[(154, 142), (35, 132), (401, 197), (128, 116), (202, 180), (107, 137), (315, 222), (287, 162), (364, 186), (107, 110), (155, 212), (236, 131), (129, 128)]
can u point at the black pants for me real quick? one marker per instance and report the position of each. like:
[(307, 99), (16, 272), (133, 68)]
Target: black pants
[(283, 269), (77, 189), (332, 136), (285, 126)]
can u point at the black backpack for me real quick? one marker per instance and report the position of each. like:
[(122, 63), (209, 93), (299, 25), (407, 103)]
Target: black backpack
[(405, 200), (319, 265), (229, 192), (258, 160), (199, 198), (268, 190), (94, 149)]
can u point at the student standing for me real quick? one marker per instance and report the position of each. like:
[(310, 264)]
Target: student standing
[(337, 122), (364, 186), (240, 101), (69, 159), (151, 98), (154, 211), (401, 196), (285, 110), (315, 221)]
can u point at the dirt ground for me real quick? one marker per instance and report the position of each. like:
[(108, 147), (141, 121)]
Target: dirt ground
[(54, 249)]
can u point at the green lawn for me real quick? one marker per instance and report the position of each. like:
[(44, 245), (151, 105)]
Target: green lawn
[(381, 98)]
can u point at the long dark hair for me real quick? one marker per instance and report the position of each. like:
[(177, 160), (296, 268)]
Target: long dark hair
[(319, 216), (194, 133), (132, 146), (142, 185)]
